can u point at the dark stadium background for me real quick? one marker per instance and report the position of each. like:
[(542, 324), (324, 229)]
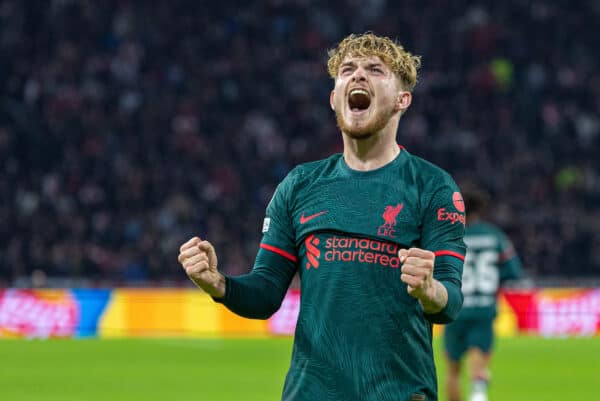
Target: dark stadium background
[(128, 126)]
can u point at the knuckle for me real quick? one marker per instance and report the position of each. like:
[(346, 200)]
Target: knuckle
[(194, 269)]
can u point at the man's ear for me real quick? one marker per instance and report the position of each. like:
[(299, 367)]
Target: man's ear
[(403, 101), (331, 100)]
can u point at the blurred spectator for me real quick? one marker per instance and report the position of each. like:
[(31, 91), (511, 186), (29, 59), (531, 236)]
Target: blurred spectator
[(127, 127)]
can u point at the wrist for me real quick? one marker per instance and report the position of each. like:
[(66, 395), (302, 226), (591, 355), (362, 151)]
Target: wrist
[(219, 287), (436, 299)]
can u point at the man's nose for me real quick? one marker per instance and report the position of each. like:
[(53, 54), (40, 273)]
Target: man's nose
[(359, 75)]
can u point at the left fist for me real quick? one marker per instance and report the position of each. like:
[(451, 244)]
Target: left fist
[(417, 272)]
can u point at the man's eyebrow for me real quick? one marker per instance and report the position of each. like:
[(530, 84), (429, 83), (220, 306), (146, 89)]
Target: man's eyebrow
[(348, 63)]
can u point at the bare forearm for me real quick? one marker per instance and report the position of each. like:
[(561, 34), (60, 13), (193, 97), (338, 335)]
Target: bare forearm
[(452, 304), (217, 288), (438, 299)]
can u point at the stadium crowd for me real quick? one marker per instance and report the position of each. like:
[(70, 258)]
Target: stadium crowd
[(126, 127)]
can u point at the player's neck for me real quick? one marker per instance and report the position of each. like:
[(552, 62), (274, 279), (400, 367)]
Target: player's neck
[(370, 153)]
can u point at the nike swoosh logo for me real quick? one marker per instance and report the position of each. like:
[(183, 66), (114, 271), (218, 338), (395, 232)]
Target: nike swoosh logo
[(312, 216)]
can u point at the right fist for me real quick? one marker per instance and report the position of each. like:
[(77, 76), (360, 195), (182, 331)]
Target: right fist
[(199, 260)]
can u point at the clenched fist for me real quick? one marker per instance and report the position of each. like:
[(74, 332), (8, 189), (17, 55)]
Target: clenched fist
[(417, 273), (199, 260)]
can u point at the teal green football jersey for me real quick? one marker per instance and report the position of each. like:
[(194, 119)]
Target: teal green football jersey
[(489, 262), (360, 336)]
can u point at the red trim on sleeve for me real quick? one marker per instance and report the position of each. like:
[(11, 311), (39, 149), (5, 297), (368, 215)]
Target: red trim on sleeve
[(450, 253), (279, 252)]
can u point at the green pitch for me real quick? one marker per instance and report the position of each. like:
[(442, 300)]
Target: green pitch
[(524, 369)]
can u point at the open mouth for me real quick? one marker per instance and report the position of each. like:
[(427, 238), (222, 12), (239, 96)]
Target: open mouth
[(359, 100)]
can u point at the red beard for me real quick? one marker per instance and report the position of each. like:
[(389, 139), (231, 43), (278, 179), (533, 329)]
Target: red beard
[(364, 131)]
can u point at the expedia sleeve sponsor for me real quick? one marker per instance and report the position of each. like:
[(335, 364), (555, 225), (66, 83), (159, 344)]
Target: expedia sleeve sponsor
[(453, 217), (444, 219)]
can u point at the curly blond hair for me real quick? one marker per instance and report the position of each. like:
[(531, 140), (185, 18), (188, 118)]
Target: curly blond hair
[(401, 62)]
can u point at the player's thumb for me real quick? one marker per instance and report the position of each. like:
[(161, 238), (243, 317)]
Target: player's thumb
[(402, 254), (210, 252)]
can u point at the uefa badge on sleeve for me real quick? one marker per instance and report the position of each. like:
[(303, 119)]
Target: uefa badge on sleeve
[(266, 224)]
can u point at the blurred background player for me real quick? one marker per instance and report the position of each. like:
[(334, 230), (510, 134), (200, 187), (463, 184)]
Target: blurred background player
[(490, 262)]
